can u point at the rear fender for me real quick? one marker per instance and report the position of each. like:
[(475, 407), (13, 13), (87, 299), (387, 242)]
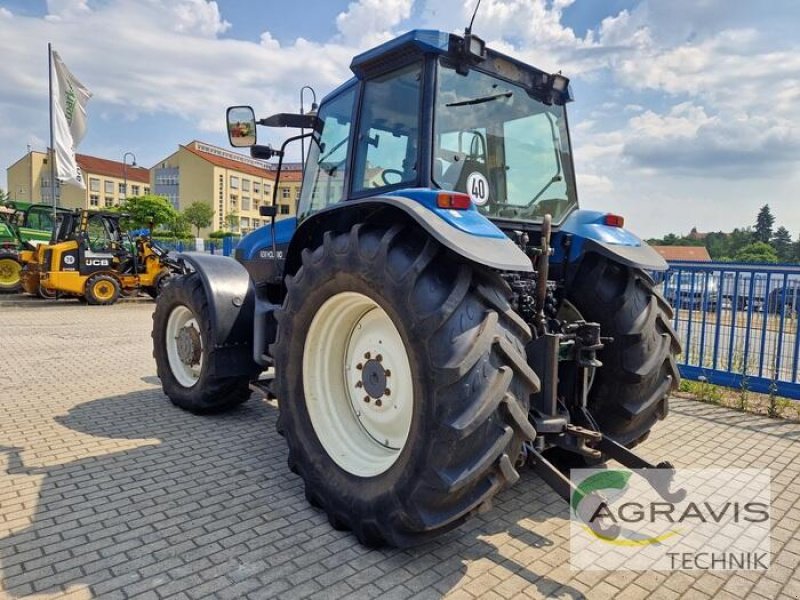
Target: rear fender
[(467, 233), (586, 232), (231, 302)]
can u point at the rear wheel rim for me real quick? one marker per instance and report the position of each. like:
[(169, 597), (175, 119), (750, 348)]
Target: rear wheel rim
[(184, 344), (358, 384), (10, 271)]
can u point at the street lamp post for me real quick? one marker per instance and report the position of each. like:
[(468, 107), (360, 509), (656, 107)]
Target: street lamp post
[(125, 170), (303, 131)]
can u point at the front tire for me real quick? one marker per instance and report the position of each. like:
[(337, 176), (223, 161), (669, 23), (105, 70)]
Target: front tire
[(10, 273), (102, 290), (183, 351), (426, 424), (630, 391)]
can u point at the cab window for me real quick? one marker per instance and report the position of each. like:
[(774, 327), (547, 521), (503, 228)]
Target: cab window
[(324, 185), (386, 151)]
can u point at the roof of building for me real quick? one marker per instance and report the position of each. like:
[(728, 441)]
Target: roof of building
[(233, 164), (686, 253), (112, 168), (242, 163), (291, 176)]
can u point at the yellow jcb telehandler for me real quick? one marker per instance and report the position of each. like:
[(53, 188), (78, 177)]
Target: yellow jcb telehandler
[(91, 258)]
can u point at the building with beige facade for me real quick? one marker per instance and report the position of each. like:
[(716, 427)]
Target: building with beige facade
[(235, 185), (106, 181)]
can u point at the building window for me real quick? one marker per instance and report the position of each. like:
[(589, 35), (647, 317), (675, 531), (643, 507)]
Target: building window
[(121, 189), (109, 187), (245, 185), (146, 190), (256, 223), (284, 209), (94, 199), (94, 184), (135, 190), (297, 193), (234, 200), (256, 187), (244, 222), (234, 183), (245, 203), (285, 193), (109, 201), (45, 182)]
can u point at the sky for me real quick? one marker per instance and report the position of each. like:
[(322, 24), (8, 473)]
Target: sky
[(687, 112)]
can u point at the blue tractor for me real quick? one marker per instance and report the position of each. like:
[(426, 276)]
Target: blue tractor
[(439, 312)]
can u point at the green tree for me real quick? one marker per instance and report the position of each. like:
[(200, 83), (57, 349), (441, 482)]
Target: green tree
[(141, 211), (232, 220), (757, 252), (718, 245), (180, 227), (764, 222), (3, 196), (199, 215), (782, 242)]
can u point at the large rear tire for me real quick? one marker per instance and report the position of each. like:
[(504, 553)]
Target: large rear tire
[(183, 351), (402, 384), (630, 392)]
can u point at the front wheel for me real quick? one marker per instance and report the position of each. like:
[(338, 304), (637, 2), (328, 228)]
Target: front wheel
[(402, 384), (630, 392), (10, 273), (102, 289), (183, 350)]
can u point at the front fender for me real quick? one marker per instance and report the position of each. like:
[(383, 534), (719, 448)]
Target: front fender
[(587, 232), (467, 233), (231, 305)]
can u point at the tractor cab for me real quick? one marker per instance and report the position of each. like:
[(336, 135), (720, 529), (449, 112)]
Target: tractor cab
[(437, 111), (440, 112)]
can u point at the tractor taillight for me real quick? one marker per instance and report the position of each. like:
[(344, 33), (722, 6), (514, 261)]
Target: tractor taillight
[(453, 200), (615, 220)]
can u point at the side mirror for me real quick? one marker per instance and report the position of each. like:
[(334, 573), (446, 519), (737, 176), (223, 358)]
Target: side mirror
[(268, 210), (241, 121)]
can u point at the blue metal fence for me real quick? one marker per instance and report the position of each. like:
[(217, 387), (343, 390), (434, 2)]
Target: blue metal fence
[(737, 323), (224, 246)]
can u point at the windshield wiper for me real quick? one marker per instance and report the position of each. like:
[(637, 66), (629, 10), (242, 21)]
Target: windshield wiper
[(481, 100)]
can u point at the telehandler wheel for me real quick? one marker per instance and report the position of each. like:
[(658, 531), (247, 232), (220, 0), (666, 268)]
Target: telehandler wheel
[(630, 391), (10, 273), (102, 289), (183, 351), (402, 383)]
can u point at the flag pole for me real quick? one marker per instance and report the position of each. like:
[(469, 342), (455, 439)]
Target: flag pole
[(52, 135)]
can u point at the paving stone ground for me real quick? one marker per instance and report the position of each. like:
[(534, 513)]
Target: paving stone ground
[(108, 491)]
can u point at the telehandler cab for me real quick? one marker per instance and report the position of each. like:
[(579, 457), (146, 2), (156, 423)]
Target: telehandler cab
[(439, 312), (91, 258)]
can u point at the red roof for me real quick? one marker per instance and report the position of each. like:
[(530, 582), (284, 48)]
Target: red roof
[(687, 253), (228, 163), (291, 176), (112, 168)]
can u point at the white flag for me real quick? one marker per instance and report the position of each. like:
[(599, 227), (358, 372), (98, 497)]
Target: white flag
[(69, 120)]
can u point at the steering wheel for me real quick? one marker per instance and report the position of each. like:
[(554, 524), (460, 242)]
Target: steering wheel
[(391, 172)]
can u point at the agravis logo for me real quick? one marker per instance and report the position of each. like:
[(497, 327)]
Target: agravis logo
[(664, 519), (604, 482)]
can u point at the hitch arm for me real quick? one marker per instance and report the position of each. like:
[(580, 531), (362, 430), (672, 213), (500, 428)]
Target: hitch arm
[(653, 473)]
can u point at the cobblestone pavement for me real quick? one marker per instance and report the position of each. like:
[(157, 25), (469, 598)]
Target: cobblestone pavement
[(107, 490)]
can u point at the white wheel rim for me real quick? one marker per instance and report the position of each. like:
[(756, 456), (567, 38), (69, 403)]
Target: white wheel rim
[(352, 350), (184, 343)]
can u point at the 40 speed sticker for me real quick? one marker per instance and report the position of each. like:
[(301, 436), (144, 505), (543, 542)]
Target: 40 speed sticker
[(478, 188)]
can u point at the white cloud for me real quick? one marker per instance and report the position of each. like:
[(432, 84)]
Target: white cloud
[(198, 17), (370, 22)]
